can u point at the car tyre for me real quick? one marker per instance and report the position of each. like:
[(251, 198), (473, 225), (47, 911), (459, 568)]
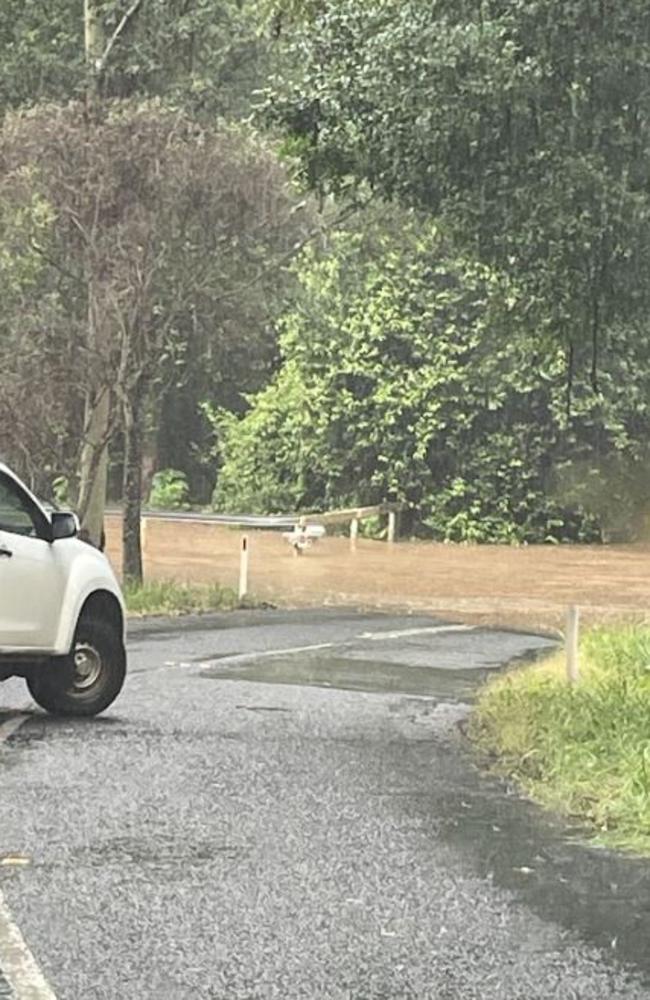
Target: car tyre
[(87, 682)]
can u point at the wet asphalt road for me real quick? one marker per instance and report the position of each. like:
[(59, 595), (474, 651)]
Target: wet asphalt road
[(234, 829)]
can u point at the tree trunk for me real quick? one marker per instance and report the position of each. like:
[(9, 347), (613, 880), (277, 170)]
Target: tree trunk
[(94, 41), (132, 487), (93, 472), (93, 468)]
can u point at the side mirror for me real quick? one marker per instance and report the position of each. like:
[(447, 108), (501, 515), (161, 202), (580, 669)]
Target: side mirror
[(64, 525)]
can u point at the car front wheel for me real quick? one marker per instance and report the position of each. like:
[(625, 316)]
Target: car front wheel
[(91, 681)]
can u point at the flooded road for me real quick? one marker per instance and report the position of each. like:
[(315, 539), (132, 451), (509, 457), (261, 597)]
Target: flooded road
[(284, 805), (525, 586)]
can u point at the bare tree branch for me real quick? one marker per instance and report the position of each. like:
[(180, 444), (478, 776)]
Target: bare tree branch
[(131, 12)]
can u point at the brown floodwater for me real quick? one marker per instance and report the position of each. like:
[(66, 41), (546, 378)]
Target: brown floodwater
[(523, 586)]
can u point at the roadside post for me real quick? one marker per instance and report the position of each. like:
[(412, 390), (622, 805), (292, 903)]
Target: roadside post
[(301, 541), (572, 639), (243, 567), (392, 517), (143, 544), (354, 532)]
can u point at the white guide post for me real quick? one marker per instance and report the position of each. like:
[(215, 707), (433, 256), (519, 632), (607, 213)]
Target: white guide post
[(243, 567)]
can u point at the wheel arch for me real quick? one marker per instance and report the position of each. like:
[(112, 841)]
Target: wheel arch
[(103, 605)]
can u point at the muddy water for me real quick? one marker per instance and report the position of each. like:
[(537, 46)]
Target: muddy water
[(528, 586)]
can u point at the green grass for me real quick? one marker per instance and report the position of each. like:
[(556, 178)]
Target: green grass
[(582, 751), (169, 598)]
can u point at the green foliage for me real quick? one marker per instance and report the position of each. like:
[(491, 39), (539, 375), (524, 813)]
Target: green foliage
[(584, 750), (526, 126), (434, 371), (264, 456), (208, 55), (169, 490), (61, 491), (23, 226), (406, 377), (41, 51)]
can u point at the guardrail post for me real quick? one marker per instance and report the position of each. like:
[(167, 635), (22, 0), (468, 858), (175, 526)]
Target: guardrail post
[(572, 641), (390, 537), (243, 567), (354, 532)]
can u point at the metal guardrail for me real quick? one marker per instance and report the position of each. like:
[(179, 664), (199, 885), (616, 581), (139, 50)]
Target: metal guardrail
[(277, 521), (352, 514)]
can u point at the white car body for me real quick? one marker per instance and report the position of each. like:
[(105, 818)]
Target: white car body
[(45, 584)]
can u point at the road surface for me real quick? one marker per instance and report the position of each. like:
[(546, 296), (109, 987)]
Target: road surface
[(283, 805)]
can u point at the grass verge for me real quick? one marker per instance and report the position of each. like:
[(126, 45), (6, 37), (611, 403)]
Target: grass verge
[(582, 751), (169, 598)]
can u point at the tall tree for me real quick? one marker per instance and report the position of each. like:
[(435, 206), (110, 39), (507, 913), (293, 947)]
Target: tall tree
[(202, 54), (93, 467), (524, 126), (175, 220)]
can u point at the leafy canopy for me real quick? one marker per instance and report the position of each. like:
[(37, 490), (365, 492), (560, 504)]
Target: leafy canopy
[(525, 125), (403, 379), (209, 55)]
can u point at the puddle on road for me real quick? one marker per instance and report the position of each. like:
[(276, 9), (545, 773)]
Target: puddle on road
[(348, 674)]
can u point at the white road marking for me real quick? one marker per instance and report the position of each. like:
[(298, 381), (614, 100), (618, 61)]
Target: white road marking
[(290, 651), (262, 654), (405, 632), (14, 860), (18, 966)]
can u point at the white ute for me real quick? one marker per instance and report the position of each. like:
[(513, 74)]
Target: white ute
[(61, 609)]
